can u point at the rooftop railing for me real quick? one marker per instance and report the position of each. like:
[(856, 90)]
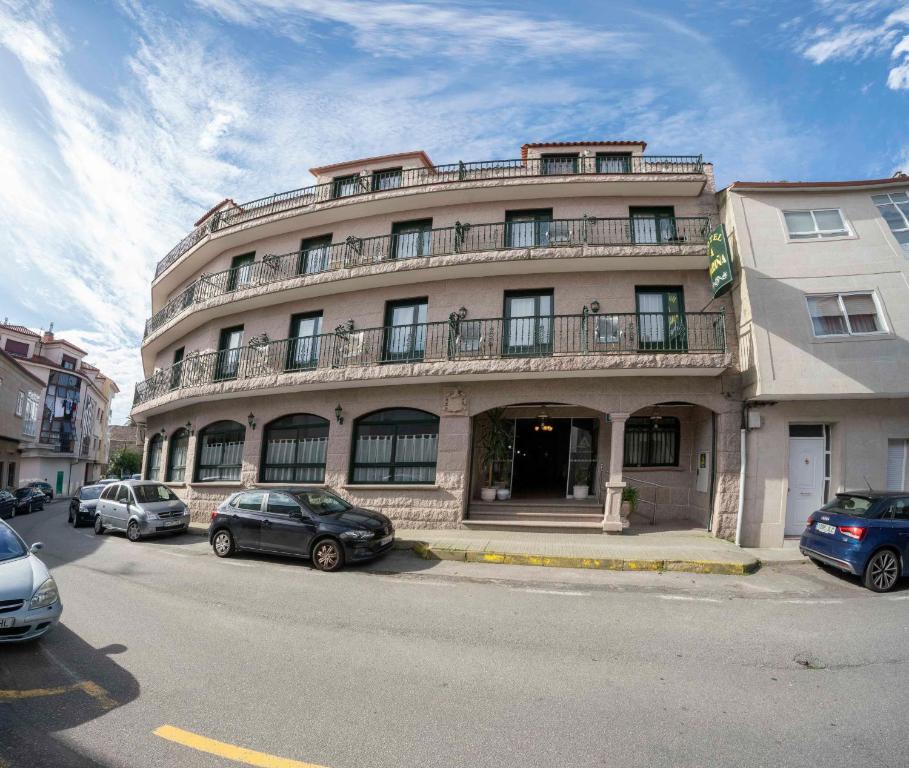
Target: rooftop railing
[(453, 340), (383, 181), (427, 243)]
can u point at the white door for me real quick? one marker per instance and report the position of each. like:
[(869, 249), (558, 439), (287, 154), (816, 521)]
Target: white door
[(806, 481)]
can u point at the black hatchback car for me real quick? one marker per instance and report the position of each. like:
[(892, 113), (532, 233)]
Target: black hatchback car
[(82, 505), (300, 522), (28, 499)]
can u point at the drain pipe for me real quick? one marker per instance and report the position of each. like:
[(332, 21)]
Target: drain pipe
[(743, 432)]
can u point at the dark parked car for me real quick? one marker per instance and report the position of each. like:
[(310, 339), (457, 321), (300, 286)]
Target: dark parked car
[(28, 499), (45, 488), (7, 505), (865, 533), (82, 505), (300, 522)]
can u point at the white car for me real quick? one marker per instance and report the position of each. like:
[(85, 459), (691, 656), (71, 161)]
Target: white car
[(29, 601)]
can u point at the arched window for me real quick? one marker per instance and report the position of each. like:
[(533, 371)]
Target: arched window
[(220, 454), (176, 457), (397, 445), (153, 461), (293, 450)]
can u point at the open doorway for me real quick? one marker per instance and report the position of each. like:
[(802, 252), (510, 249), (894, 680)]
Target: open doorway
[(551, 456)]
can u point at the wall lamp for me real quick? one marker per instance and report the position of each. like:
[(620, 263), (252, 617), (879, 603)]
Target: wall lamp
[(163, 433), (339, 414), (251, 420), (594, 306), (189, 428)]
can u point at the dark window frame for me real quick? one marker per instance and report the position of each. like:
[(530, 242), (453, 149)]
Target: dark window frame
[(236, 264), (537, 349), (318, 423), (557, 157), (643, 428), (678, 333), (540, 218), (68, 363), (416, 347), (421, 227), (16, 348), (296, 342), (338, 182), (225, 428), (176, 370), (380, 174), (625, 157), (155, 443), (170, 471), (662, 233), (228, 356), (310, 244), (419, 417)]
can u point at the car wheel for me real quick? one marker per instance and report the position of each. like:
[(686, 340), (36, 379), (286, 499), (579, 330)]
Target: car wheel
[(28, 509), (882, 571), (328, 555), (223, 543), (99, 526), (132, 531), (69, 519)]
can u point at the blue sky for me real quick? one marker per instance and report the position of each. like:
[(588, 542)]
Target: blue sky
[(121, 121)]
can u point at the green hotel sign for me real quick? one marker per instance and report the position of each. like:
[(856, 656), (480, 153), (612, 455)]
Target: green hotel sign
[(719, 265)]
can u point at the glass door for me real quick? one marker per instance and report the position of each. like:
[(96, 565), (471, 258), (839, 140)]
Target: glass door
[(176, 371), (241, 268), (411, 239), (229, 344), (653, 225), (528, 324), (314, 255), (527, 229), (661, 319), (405, 330), (303, 346), (582, 457)]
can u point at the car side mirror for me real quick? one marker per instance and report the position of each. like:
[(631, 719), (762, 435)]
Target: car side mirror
[(36, 547)]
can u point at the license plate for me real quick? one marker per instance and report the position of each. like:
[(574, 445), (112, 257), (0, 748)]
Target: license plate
[(386, 540), (825, 528), (172, 525), (4, 623)]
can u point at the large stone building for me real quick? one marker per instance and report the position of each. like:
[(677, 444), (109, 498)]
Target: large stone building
[(365, 331), (70, 446), (822, 309), (20, 400)]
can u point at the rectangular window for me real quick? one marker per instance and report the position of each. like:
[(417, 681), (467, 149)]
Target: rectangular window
[(528, 323), (613, 162), (815, 224), (387, 178), (411, 239), (315, 254), (30, 421), (526, 229), (558, 164), (176, 371), (16, 348), (344, 186), (20, 403), (845, 314), (653, 224), (894, 207), (896, 464), (241, 271), (661, 319), (229, 346), (652, 442), (303, 346), (405, 330), (69, 363)]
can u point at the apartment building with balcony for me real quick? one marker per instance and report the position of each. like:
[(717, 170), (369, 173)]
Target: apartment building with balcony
[(369, 332), (822, 308), (70, 443), (20, 398)]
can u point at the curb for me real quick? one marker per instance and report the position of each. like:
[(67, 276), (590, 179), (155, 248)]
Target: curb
[(197, 529), (428, 552)]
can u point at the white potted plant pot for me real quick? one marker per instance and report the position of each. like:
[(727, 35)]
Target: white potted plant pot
[(503, 494), (581, 491), (488, 494)]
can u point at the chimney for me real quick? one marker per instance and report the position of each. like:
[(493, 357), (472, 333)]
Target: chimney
[(48, 336)]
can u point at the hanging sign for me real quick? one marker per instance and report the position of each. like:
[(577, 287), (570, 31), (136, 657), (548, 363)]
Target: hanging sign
[(719, 265)]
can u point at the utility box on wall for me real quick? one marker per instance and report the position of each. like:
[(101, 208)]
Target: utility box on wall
[(704, 470)]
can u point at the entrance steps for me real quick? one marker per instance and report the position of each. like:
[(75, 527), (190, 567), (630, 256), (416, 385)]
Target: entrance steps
[(541, 516)]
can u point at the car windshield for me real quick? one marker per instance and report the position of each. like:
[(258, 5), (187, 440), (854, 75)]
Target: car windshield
[(849, 504), (149, 494), (322, 502), (91, 492), (10, 544), (21, 493)]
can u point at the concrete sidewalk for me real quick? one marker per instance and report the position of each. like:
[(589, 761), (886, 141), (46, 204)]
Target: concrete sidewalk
[(638, 549)]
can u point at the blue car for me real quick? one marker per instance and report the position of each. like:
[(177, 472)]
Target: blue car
[(865, 533)]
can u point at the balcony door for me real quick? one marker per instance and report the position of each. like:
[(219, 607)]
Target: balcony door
[(229, 353), (314, 255), (527, 229), (241, 270), (661, 319), (303, 346), (528, 324), (653, 225), (176, 370), (405, 330), (411, 239)]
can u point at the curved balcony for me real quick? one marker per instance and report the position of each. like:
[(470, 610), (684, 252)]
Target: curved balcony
[(518, 347), (336, 261), (385, 183)]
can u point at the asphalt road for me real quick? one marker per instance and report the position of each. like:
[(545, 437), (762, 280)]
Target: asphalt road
[(412, 663)]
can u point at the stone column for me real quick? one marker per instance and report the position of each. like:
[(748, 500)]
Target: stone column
[(612, 518)]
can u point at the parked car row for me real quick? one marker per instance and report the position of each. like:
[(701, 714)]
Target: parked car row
[(20, 502)]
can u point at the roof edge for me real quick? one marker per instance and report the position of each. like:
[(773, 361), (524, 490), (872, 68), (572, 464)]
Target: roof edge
[(319, 170), (783, 186), (22, 368)]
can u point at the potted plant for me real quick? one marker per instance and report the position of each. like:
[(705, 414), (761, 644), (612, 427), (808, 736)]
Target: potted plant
[(496, 448), (581, 481), (629, 501)]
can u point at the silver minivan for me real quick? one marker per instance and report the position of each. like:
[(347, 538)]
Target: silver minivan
[(141, 508)]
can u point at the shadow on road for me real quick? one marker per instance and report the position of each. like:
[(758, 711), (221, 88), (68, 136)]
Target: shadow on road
[(51, 685)]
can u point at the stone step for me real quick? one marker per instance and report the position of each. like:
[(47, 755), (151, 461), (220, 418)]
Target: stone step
[(537, 526), (559, 516)]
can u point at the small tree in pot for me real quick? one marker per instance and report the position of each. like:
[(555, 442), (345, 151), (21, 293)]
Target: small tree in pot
[(495, 448), (581, 481), (629, 501)]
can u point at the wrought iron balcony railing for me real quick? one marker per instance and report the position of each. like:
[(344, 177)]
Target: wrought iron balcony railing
[(443, 241), (452, 340), (383, 181)]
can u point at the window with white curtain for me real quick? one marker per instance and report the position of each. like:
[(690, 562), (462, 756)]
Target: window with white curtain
[(294, 450), (845, 314), (815, 224), (220, 451), (397, 445)]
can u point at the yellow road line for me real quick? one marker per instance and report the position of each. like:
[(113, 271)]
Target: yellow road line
[(230, 751), (86, 686)]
